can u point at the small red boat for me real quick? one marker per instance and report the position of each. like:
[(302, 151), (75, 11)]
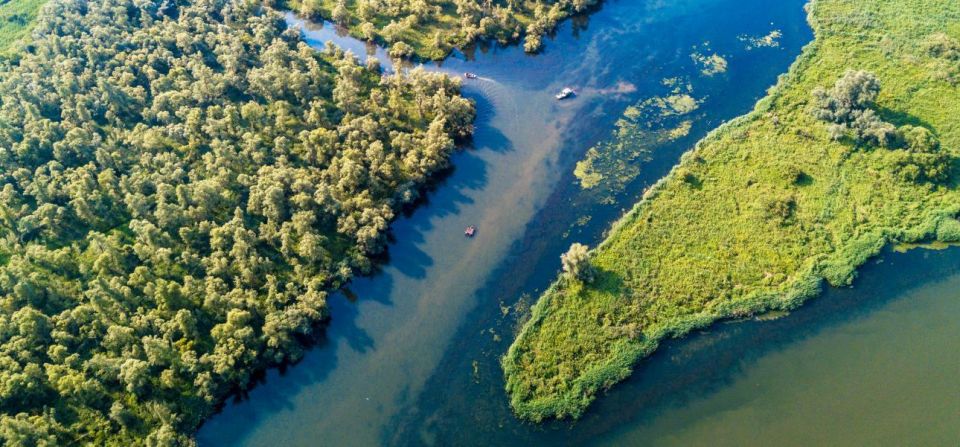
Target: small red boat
[(470, 231)]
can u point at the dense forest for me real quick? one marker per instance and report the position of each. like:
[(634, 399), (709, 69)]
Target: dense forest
[(430, 29), (855, 149), (182, 183)]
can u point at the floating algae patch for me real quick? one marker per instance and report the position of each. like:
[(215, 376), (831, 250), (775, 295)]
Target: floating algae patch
[(645, 126), (680, 131), (615, 163), (676, 105), (708, 62), (935, 245), (587, 171), (771, 315), (771, 40)]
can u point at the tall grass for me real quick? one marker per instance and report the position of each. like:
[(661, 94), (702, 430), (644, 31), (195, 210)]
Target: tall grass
[(702, 246)]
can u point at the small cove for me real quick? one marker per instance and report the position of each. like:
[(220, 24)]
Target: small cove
[(415, 360)]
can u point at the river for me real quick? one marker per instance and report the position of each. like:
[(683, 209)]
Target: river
[(414, 360)]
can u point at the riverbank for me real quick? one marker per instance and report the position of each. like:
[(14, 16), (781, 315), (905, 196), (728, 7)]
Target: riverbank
[(703, 245)]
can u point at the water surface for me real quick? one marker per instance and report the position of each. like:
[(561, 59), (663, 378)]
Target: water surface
[(414, 361)]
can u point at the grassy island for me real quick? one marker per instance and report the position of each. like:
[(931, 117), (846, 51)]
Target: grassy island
[(853, 150)]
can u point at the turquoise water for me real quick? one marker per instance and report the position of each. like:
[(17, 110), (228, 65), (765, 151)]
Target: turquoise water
[(414, 361)]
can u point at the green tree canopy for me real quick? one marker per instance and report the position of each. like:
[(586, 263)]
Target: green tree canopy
[(181, 185)]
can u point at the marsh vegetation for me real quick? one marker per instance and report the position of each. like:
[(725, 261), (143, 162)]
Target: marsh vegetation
[(827, 170)]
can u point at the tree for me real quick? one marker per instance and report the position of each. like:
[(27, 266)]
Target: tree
[(919, 139), (368, 31), (340, 13), (848, 107), (854, 92), (310, 8), (400, 50), (576, 263)]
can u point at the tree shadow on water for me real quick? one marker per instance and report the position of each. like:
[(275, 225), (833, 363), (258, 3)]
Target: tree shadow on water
[(277, 389)]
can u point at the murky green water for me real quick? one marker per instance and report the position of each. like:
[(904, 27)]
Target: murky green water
[(878, 364), (415, 361)]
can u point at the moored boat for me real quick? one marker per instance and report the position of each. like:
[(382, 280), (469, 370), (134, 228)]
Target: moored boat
[(565, 93)]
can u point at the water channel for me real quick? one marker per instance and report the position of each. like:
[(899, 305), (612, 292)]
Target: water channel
[(414, 360)]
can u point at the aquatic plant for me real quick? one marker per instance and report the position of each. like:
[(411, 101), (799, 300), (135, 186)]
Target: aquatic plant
[(645, 127), (711, 64), (771, 40)]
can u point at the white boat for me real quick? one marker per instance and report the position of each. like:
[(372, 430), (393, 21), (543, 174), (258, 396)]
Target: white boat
[(565, 93)]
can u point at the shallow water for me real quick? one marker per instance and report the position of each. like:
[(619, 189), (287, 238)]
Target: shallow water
[(415, 359)]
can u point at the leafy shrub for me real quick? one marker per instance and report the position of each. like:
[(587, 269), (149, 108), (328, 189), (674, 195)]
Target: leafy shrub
[(781, 209), (919, 139), (945, 51), (400, 50), (942, 46), (847, 106), (948, 230), (576, 263)]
